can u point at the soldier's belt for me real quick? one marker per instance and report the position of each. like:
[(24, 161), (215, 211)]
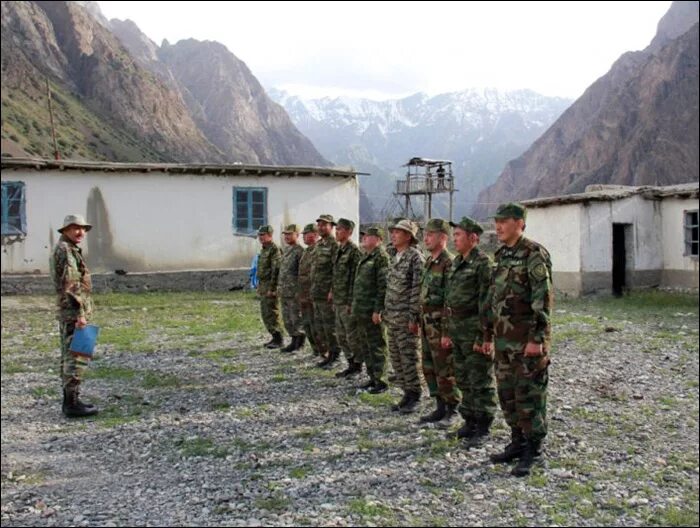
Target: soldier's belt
[(461, 312)]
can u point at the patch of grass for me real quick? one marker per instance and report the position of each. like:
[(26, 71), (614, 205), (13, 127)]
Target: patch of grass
[(278, 378), (10, 367), (299, 472), (201, 447), (45, 392), (538, 480), (107, 372), (377, 400), (156, 380), (244, 412), (369, 509), (276, 503), (308, 432), (235, 368), (220, 406), (365, 443), (675, 516)]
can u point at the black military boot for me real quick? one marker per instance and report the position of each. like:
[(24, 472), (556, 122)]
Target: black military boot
[(437, 415), (378, 388), (73, 407), (482, 424), (466, 431), (532, 456), (330, 360), (301, 341), (369, 385), (276, 341), (292, 346), (513, 450), (397, 406), (412, 404), (353, 368), (450, 416)]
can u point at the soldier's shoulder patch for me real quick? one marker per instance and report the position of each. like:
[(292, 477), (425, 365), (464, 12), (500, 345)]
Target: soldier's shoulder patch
[(539, 272)]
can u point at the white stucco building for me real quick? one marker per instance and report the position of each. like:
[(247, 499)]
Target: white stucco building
[(611, 238), (161, 217)]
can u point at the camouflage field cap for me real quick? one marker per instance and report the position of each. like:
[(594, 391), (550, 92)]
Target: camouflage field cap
[(326, 218), (75, 219), (469, 225), (510, 210), (310, 228), (347, 224), (408, 226), (375, 231), (438, 225), (291, 228), (265, 230)]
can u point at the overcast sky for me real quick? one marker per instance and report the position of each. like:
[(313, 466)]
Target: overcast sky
[(384, 50)]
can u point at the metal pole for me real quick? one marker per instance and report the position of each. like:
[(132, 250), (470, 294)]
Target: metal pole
[(56, 155)]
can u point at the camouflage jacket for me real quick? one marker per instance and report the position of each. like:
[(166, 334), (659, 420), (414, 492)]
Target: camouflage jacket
[(71, 278), (268, 268), (344, 266), (468, 286), (369, 288), (289, 271), (403, 285), (521, 297), (304, 281), (322, 269), (433, 285)]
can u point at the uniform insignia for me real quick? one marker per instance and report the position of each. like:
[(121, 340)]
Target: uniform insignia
[(540, 271)]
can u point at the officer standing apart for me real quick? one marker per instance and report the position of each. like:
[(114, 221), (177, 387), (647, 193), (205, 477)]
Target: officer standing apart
[(304, 287), (438, 361), (322, 280), (368, 295), (402, 311), (289, 287), (467, 291), (346, 260), (71, 278), (268, 274), (520, 303)]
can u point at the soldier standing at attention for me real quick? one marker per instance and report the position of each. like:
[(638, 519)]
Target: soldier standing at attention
[(467, 290), (268, 274), (368, 294), (321, 283), (402, 310), (390, 249), (438, 360), (520, 304), (71, 278), (289, 287), (346, 260), (304, 287)]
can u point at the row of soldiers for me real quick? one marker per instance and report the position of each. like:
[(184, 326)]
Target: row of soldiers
[(472, 329)]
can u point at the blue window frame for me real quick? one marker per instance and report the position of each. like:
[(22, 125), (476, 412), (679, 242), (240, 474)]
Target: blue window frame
[(14, 216), (249, 209)]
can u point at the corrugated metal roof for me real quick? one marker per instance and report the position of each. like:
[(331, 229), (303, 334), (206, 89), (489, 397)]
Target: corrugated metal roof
[(611, 193)]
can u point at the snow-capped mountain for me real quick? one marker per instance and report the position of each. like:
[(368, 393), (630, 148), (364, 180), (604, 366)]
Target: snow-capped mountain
[(479, 130)]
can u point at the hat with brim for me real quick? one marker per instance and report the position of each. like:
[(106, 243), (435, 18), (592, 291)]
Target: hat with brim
[(75, 219), (291, 228), (408, 226), (375, 231), (310, 228), (469, 225), (326, 218)]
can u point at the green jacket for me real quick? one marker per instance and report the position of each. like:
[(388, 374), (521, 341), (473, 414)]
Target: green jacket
[(289, 271), (304, 281), (268, 268), (346, 260), (322, 269), (71, 279), (369, 287)]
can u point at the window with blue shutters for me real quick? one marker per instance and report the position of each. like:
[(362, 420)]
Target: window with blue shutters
[(249, 210), (14, 217)]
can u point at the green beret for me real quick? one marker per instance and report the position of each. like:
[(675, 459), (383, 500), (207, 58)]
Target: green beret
[(510, 210), (326, 218), (375, 231), (347, 224), (439, 225), (265, 230), (310, 228), (469, 225)]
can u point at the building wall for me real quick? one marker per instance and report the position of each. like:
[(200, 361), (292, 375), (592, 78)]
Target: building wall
[(162, 222), (679, 270)]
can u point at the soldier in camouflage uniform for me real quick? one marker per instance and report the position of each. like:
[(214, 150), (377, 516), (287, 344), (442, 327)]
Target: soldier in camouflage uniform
[(321, 284), (402, 310), (304, 286), (368, 295), (289, 288), (390, 249), (520, 305), (71, 278), (438, 359), (268, 274), (344, 266), (467, 291)]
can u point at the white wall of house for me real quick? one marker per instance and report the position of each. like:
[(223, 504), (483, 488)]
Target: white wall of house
[(679, 269), (558, 228), (145, 222)]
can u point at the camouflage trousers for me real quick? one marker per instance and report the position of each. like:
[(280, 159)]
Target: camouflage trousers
[(438, 363), (372, 347), (405, 353), (291, 315), (307, 317), (522, 388), (474, 371), (324, 325), (270, 311), (73, 366), (346, 332)]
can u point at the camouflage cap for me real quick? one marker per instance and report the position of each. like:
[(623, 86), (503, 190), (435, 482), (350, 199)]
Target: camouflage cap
[(439, 225), (326, 218), (375, 231), (310, 228), (510, 210), (291, 228), (408, 226), (347, 224), (75, 219), (265, 230), (469, 225)]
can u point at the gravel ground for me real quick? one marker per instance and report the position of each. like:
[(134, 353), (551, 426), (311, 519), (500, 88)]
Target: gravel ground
[(201, 426)]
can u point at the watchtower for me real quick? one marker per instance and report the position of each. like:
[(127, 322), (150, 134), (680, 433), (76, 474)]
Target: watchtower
[(425, 177)]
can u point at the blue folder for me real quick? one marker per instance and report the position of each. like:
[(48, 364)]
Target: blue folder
[(84, 340)]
